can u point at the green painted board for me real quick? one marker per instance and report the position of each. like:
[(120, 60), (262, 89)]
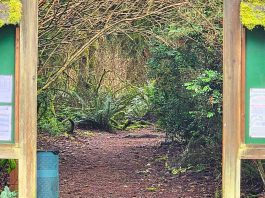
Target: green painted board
[(255, 86), (7, 66)]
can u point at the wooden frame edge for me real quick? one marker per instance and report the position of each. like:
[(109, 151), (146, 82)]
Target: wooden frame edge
[(252, 151), (17, 73), (10, 152), (27, 169), (231, 100), (243, 86)]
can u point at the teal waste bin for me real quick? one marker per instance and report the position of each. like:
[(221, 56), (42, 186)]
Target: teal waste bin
[(48, 174)]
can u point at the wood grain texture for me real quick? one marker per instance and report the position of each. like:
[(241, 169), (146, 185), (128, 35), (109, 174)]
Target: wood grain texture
[(28, 99), (14, 173), (17, 72), (252, 151), (243, 87), (232, 99), (9, 151)]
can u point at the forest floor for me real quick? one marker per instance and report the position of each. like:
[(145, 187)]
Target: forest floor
[(123, 165)]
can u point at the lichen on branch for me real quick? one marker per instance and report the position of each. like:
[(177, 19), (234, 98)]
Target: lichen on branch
[(10, 12)]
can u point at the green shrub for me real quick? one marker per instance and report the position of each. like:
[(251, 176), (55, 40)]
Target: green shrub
[(188, 88), (171, 100), (48, 120), (7, 165), (104, 108), (141, 104)]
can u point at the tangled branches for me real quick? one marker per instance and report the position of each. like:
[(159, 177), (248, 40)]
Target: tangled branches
[(68, 28)]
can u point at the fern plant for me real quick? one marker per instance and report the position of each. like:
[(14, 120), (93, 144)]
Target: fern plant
[(142, 103), (103, 109)]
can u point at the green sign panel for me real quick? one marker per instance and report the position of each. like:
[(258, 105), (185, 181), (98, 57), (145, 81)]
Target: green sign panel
[(7, 81), (255, 86)]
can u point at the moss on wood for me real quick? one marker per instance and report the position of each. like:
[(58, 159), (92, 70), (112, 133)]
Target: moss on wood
[(10, 12)]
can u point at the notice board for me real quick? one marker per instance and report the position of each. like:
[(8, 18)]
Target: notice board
[(7, 84), (255, 86)]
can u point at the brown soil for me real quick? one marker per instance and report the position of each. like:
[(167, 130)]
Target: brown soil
[(122, 165)]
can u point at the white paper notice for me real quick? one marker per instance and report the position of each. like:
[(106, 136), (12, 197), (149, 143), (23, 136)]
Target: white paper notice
[(5, 123), (6, 88), (257, 113)]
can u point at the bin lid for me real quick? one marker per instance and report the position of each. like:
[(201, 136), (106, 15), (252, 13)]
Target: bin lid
[(56, 152)]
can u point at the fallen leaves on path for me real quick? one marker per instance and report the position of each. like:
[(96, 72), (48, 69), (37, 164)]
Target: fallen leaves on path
[(122, 165)]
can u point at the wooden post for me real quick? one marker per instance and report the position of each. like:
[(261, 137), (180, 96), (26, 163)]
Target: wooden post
[(23, 146), (232, 99), (28, 100)]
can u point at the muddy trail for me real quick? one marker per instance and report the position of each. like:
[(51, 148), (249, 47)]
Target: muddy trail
[(122, 165)]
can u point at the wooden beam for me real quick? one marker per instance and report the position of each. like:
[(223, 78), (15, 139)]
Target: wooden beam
[(232, 99), (243, 87), (9, 152), (28, 99), (252, 151), (14, 173), (17, 73)]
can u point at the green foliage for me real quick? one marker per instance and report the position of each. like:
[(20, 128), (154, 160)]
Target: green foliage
[(94, 106), (188, 86), (51, 124), (197, 49), (178, 170), (188, 74), (152, 189), (252, 13), (102, 110), (121, 109), (206, 91), (181, 108), (6, 193), (47, 118), (7, 165), (141, 104), (169, 98), (13, 12)]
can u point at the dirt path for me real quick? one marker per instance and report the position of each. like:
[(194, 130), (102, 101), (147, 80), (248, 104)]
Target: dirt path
[(103, 165)]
